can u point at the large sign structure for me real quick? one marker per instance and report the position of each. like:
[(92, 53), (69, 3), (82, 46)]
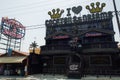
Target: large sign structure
[(12, 28), (12, 31), (57, 13), (70, 20), (79, 23)]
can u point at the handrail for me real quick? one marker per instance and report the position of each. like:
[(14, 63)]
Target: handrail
[(55, 47), (100, 45), (102, 72)]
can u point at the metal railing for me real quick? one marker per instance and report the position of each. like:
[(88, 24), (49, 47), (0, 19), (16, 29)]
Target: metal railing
[(56, 47), (101, 72), (100, 45)]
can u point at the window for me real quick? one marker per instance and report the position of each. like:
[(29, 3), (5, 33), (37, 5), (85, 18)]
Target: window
[(59, 60), (100, 60)]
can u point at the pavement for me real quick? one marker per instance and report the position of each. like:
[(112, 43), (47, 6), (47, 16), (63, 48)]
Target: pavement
[(57, 77)]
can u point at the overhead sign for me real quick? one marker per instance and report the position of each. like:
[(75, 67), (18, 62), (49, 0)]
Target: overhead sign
[(12, 28), (95, 8)]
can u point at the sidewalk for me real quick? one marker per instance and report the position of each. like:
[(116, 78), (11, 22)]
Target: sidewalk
[(56, 77)]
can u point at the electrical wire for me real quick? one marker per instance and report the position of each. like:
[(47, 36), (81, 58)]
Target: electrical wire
[(28, 10), (37, 5), (31, 8), (32, 5), (34, 25), (34, 28), (24, 5), (31, 27)]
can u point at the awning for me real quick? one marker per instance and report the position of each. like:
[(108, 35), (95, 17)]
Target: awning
[(14, 59)]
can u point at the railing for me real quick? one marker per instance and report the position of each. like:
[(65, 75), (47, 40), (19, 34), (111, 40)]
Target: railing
[(102, 72), (107, 45), (55, 70), (100, 45), (56, 47)]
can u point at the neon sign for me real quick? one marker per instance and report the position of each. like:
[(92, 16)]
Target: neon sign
[(93, 34), (60, 37), (12, 28)]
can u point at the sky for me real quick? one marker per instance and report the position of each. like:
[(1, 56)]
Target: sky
[(34, 12)]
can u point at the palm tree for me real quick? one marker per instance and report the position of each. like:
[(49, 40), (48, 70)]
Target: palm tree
[(33, 45)]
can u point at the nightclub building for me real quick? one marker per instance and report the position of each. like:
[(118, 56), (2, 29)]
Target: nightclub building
[(80, 45)]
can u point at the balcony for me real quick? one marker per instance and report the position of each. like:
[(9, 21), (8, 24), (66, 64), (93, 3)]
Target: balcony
[(55, 49), (100, 47)]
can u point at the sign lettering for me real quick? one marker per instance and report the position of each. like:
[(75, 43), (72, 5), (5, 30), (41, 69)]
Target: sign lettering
[(84, 18)]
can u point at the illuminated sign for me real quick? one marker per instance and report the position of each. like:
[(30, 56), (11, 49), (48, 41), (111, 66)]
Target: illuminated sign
[(12, 28), (73, 67), (93, 34), (60, 37)]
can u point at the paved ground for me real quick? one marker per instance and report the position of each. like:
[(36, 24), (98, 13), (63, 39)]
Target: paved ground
[(56, 77)]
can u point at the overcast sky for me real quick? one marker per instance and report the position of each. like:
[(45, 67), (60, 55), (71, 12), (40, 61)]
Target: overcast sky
[(35, 12)]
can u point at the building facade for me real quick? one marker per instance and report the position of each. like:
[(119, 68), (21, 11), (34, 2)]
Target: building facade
[(80, 46)]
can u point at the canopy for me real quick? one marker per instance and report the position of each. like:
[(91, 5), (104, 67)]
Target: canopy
[(14, 59)]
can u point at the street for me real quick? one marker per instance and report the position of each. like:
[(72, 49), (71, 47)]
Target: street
[(57, 77)]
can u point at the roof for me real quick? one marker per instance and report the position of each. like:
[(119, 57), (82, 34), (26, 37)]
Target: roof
[(15, 59), (20, 52)]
